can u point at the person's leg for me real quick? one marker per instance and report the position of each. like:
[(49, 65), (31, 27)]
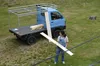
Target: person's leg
[(62, 52), (57, 54)]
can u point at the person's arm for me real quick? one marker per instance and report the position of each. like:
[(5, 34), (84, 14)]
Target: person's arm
[(67, 41), (58, 38)]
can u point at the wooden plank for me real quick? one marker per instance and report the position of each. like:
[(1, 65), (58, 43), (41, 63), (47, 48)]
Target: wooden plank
[(48, 25)]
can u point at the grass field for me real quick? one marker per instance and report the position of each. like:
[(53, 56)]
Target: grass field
[(79, 29)]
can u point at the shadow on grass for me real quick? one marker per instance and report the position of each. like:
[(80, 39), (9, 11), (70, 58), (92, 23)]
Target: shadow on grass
[(19, 42)]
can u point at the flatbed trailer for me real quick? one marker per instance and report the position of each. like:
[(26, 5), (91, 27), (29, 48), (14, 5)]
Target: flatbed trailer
[(27, 34), (21, 31)]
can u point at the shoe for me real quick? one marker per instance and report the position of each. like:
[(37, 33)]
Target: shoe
[(63, 62), (55, 62)]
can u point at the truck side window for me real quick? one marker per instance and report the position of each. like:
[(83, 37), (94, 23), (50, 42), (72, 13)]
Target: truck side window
[(56, 15)]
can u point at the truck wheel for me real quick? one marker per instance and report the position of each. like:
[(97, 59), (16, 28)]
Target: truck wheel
[(56, 33), (31, 40)]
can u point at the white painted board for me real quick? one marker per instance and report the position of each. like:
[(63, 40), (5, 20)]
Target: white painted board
[(48, 24)]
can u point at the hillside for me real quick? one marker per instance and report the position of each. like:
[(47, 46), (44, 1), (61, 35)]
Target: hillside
[(79, 29)]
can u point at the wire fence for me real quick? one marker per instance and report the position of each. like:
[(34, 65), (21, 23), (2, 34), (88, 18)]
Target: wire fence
[(95, 63)]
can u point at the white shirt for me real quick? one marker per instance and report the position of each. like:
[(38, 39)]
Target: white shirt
[(65, 38)]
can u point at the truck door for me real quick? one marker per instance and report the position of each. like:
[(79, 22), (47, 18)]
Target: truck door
[(57, 19)]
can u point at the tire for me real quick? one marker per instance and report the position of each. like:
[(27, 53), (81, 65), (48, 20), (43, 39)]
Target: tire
[(31, 40)]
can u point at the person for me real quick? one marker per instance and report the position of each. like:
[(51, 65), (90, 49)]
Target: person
[(63, 40)]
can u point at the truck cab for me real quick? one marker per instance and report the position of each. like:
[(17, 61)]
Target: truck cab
[(55, 17)]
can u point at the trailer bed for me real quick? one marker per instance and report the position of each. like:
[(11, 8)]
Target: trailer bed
[(25, 30)]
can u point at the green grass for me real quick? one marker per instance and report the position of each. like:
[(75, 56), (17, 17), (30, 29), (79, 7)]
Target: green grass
[(79, 29)]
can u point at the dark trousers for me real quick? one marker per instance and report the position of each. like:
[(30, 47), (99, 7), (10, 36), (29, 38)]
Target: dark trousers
[(58, 51)]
